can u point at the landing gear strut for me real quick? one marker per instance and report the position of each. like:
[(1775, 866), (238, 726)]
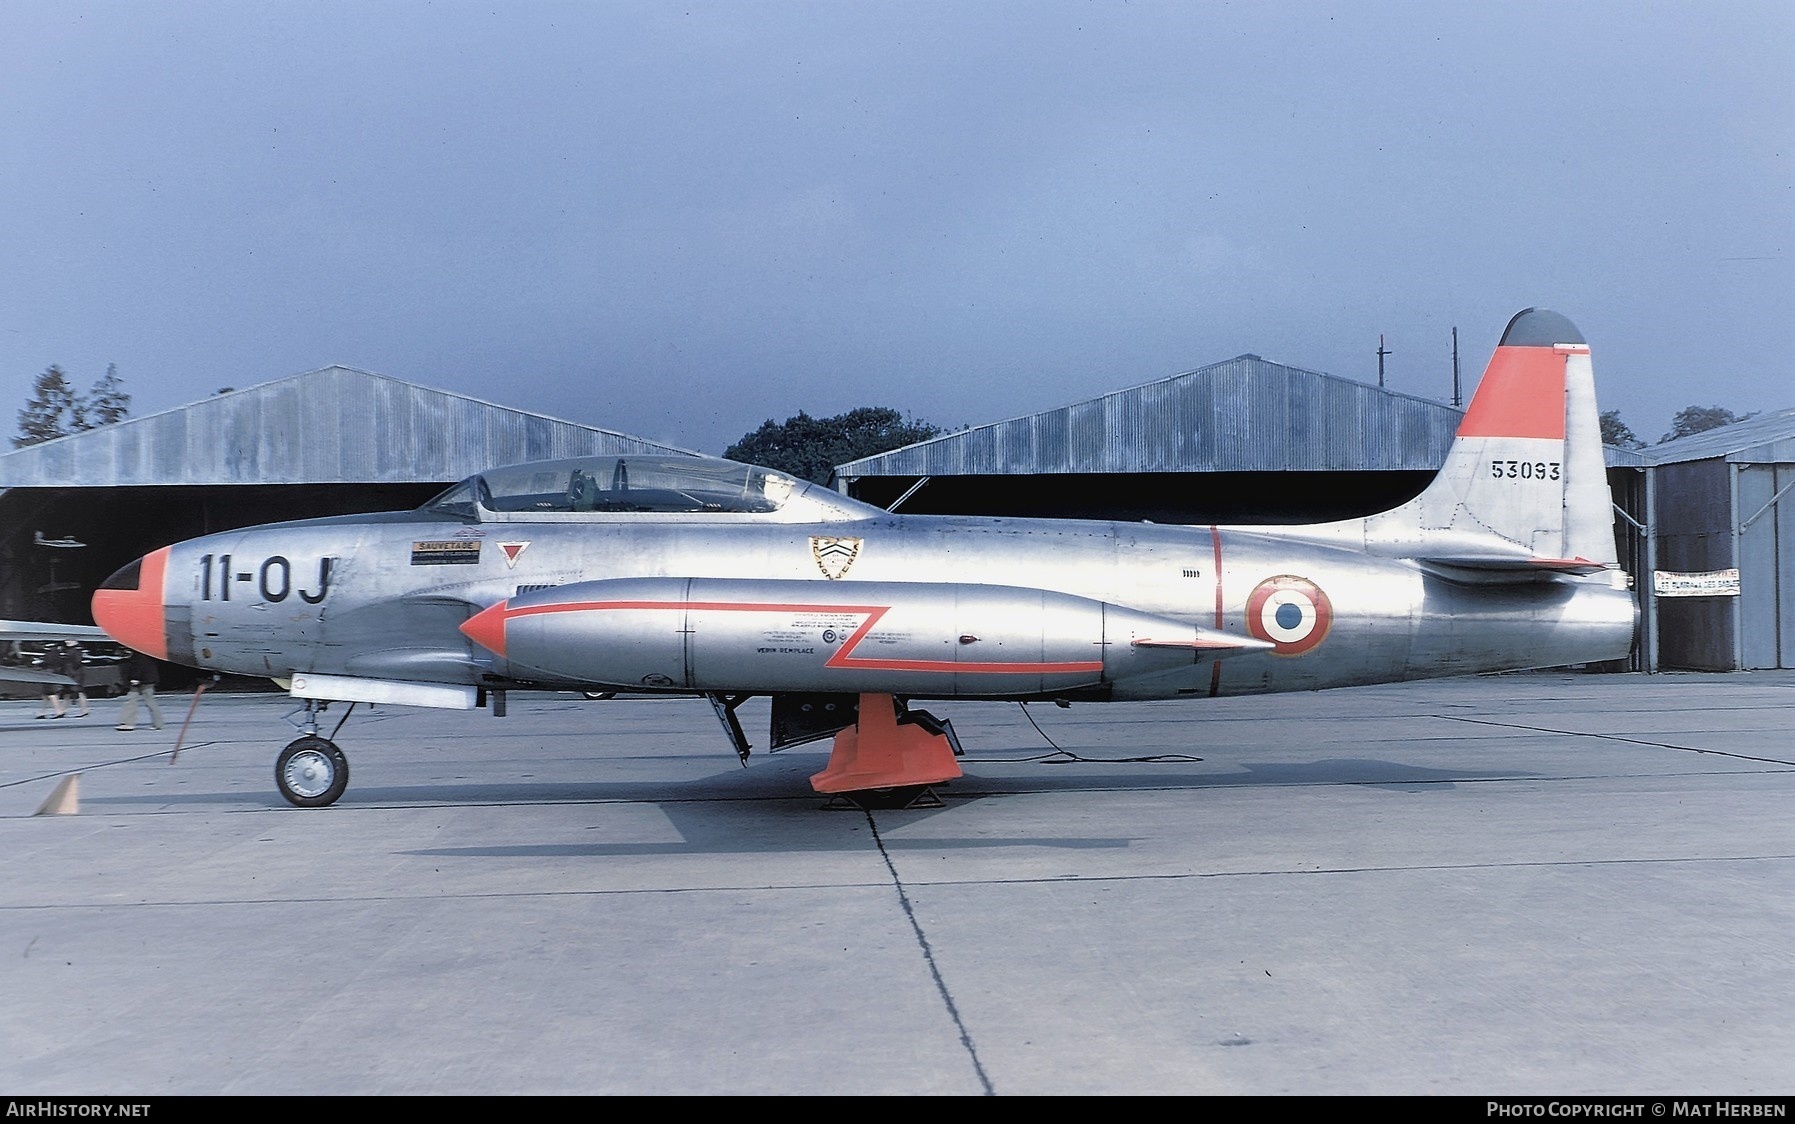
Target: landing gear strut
[(312, 772)]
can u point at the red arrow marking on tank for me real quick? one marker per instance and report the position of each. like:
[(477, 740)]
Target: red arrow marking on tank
[(487, 629)]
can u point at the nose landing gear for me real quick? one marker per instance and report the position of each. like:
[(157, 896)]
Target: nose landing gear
[(312, 772)]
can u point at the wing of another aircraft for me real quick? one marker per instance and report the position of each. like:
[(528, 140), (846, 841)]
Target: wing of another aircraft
[(10, 674), (45, 631)]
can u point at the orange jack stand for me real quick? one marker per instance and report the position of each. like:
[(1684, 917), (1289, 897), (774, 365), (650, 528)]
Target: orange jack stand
[(878, 752)]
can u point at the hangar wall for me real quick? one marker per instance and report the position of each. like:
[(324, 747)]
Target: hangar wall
[(336, 425), (335, 441), (1766, 545), (1246, 440), (1724, 500), (1240, 442), (1250, 441), (1693, 521)]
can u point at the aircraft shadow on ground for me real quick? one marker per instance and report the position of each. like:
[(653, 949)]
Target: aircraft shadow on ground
[(985, 779), (702, 838), (1221, 772), (739, 812), (769, 817)]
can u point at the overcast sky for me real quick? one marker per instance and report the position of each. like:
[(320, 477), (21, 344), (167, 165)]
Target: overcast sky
[(680, 219)]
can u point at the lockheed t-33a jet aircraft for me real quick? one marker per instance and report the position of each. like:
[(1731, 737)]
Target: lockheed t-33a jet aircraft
[(706, 577)]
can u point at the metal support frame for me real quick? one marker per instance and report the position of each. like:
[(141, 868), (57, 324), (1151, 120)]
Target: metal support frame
[(1732, 481), (1644, 583), (309, 712)]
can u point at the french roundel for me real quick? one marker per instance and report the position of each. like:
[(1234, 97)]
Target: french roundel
[(1290, 612)]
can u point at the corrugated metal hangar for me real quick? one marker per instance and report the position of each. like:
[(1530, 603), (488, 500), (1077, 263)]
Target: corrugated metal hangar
[(1250, 441), (1244, 441), (329, 442), (1723, 513)]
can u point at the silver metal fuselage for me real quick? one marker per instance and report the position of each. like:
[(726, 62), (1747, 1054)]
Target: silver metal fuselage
[(702, 576), (385, 597)]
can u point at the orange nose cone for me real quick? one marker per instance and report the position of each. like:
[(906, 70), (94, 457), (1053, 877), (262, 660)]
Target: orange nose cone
[(129, 605), (487, 628)]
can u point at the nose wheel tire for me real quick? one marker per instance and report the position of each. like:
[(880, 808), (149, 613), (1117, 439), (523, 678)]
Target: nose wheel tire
[(311, 772)]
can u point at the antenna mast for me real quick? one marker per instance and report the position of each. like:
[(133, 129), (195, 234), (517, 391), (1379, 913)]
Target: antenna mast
[(1457, 399)]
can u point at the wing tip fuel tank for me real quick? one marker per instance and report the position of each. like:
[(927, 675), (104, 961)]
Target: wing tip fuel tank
[(948, 639)]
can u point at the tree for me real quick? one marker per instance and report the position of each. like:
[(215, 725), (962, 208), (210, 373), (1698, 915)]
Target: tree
[(107, 402), (810, 448), (56, 410), (1699, 419), (53, 410), (1618, 433)]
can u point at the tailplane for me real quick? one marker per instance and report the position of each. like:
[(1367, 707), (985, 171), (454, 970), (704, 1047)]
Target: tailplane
[(1524, 486)]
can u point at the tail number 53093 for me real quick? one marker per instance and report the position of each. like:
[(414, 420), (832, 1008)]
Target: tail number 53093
[(1524, 470)]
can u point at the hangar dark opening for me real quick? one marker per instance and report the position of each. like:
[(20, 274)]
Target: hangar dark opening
[(1199, 498), (61, 543)]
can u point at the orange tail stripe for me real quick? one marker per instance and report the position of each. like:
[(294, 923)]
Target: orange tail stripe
[(1521, 395)]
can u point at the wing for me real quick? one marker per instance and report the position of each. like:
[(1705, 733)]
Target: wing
[(33, 675), (46, 630)]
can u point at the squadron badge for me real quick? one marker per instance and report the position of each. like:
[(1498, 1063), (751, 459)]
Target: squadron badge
[(834, 555)]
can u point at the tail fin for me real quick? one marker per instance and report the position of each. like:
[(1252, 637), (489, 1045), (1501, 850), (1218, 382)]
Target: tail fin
[(1524, 486)]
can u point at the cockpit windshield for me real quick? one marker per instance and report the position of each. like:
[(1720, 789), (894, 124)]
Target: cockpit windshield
[(581, 485)]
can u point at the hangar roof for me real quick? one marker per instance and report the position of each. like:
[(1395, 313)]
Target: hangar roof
[(337, 425), (1243, 415), (1766, 438)]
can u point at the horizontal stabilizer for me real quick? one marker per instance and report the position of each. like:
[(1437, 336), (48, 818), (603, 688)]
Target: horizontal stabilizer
[(1502, 568)]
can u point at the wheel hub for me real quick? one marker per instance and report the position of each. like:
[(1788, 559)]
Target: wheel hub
[(309, 773)]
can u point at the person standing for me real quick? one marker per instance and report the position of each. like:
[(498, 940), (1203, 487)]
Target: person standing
[(74, 665), (65, 660), (51, 707), (141, 676)]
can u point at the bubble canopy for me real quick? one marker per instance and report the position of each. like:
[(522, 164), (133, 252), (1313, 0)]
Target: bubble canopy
[(598, 487)]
